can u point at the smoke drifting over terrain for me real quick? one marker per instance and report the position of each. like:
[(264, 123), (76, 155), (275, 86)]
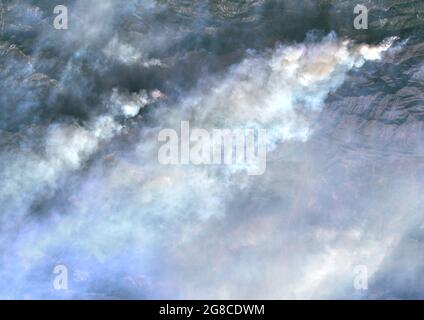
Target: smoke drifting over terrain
[(81, 184)]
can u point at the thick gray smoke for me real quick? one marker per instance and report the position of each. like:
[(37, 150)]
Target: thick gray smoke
[(81, 184)]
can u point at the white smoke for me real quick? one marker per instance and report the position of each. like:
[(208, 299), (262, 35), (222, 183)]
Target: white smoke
[(129, 217)]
